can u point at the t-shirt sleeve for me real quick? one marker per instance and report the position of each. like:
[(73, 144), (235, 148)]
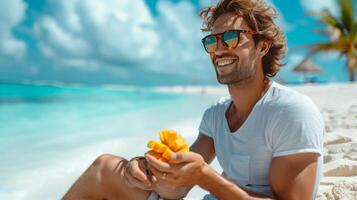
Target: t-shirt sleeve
[(298, 128), (207, 123)]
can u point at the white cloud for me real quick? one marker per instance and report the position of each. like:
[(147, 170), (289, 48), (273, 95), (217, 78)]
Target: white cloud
[(319, 5), (112, 32), (11, 14), (179, 26), (92, 34), (60, 40)]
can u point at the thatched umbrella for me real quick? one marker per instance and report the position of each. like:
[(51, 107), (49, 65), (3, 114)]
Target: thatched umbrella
[(305, 67)]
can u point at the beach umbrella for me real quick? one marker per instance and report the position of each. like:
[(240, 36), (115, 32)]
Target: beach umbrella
[(305, 67)]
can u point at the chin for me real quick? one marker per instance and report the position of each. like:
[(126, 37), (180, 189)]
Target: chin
[(232, 80)]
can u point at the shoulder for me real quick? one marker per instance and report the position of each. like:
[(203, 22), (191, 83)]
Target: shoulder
[(212, 115), (287, 103), (220, 105)]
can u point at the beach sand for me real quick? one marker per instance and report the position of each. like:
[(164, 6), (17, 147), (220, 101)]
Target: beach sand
[(338, 105)]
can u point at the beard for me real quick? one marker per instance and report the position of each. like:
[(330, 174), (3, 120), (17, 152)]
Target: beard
[(241, 71)]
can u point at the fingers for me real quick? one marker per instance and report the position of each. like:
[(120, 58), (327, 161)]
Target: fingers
[(162, 176), (159, 165), (138, 172), (133, 182), (184, 157), (136, 177)]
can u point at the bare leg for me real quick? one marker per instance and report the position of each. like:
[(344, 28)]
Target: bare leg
[(104, 180)]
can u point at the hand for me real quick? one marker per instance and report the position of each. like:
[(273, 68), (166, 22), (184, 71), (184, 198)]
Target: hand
[(187, 172), (135, 174)]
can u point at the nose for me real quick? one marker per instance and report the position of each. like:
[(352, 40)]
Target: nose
[(220, 48)]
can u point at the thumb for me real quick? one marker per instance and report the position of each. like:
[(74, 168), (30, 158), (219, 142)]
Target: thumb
[(182, 157)]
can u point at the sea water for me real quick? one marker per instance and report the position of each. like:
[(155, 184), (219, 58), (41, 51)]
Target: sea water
[(50, 134)]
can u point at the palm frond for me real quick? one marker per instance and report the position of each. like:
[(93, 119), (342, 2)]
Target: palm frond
[(330, 46), (347, 16), (354, 36), (331, 21)]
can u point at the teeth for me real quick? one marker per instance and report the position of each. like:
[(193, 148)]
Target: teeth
[(224, 62)]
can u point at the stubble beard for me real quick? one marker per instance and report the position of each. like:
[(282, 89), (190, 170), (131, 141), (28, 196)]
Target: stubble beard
[(241, 73)]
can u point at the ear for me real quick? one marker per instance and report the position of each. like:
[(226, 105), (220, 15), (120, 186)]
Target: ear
[(264, 47)]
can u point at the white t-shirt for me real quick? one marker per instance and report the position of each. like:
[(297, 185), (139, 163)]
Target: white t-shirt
[(282, 122)]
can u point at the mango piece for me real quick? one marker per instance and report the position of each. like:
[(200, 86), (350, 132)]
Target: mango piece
[(162, 136), (163, 159), (157, 146), (167, 154), (184, 150), (154, 154), (170, 142), (179, 143), (167, 135), (158, 156)]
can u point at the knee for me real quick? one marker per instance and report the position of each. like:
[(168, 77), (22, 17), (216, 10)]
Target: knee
[(106, 166), (103, 160)]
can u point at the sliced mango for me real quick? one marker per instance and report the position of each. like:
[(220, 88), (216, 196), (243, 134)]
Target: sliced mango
[(184, 150), (164, 160), (157, 146), (154, 154), (178, 144), (167, 135), (170, 142), (167, 154), (157, 156)]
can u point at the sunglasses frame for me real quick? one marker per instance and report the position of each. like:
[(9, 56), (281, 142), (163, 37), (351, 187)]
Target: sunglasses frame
[(219, 36)]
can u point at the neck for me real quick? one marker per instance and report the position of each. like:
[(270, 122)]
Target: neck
[(247, 93)]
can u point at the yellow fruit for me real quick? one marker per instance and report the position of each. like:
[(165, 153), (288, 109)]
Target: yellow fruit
[(154, 154), (157, 146), (170, 142), (158, 156), (178, 144), (167, 135), (167, 154), (184, 150)]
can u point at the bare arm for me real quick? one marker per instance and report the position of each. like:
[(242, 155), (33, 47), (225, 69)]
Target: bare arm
[(205, 147), (291, 177), (225, 189)]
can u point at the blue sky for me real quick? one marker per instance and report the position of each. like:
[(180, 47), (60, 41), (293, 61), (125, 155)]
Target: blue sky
[(141, 42)]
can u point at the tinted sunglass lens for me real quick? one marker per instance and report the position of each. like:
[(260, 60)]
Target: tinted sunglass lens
[(231, 39), (210, 43)]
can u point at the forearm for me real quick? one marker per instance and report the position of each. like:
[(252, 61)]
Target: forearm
[(224, 189)]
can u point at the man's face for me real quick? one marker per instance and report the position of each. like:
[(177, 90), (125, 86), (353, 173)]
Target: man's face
[(238, 64)]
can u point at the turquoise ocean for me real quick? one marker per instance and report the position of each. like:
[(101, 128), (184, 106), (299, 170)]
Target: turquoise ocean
[(50, 134)]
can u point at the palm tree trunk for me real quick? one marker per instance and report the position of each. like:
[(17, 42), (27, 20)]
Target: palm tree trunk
[(352, 74), (351, 64)]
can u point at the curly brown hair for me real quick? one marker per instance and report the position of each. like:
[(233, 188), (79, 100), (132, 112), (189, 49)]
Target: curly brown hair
[(259, 17)]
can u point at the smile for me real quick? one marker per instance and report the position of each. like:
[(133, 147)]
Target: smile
[(224, 62)]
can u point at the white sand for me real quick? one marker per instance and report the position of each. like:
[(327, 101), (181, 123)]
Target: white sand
[(338, 105)]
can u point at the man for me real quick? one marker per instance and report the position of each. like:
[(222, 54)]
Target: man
[(267, 138)]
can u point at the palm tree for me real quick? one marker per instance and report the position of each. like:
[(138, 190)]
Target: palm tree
[(342, 31)]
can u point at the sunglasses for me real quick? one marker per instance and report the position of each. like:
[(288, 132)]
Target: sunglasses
[(229, 38)]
